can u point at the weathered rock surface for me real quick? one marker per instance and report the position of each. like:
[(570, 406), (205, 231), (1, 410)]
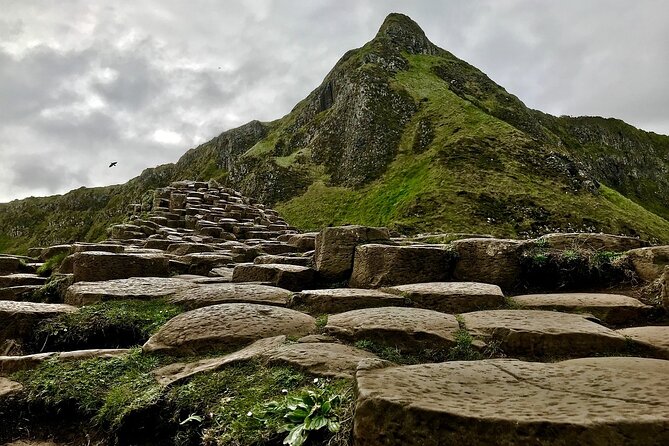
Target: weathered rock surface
[(405, 328), (17, 319), (288, 260), (11, 364), (94, 266), (535, 333), (338, 300), (451, 297), (8, 387), (321, 358), (614, 309), (17, 292), (664, 284), (8, 264), (594, 401), (213, 294), (335, 248), (653, 339), (649, 263), (227, 326), (177, 372), (494, 261), (303, 242), (21, 280), (378, 265), (593, 241), (290, 277), (86, 293)]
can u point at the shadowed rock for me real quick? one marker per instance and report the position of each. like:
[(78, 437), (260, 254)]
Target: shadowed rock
[(494, 261), (290, 277), (18, 319), (95, 266), (386, 265), (335, 248), (652, 339)]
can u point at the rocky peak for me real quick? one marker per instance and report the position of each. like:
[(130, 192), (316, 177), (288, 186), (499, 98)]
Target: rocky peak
[(405, 35)]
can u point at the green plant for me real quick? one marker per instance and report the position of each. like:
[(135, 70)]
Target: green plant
[(306, 414), (104, 325), (51, 264), (321, 321), (464, 349)]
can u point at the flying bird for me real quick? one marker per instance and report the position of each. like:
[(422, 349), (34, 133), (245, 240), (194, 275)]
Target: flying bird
[(113, 164)]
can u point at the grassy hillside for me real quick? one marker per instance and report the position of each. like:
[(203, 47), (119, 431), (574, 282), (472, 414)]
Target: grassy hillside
[(404, 134)]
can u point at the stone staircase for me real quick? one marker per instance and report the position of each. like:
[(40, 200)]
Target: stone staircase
[(558, 340)]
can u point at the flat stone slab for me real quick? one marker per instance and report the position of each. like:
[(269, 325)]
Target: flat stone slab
[(654, 339), (86, 293), (227, 326), (11, 364), (219, 293), (223, 273), (614, 309), (95, 266), (323, 359), (15, 292), (339, 300), (290, 277), (595, 401), (535, 333), (320, 358), (451, 297), (404, 328), (13, 280), (288, 260), (9, 387), (18, 319), (180, 371)]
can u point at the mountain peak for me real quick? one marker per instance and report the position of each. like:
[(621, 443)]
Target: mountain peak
[(405, 34)]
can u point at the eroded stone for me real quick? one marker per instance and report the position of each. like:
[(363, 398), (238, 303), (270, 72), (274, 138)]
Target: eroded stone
[(451, 297), (585, 401), (227, 326), (614, 309), (535, 333), (404, 328), (338, 300)]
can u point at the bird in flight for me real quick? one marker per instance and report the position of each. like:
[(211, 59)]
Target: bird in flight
[(113, 164)]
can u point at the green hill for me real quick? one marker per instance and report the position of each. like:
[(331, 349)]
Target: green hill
[(404, 134)]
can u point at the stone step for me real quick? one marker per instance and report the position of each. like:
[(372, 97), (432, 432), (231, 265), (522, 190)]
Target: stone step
[(290, 277), (227, 326), (651, 339), (339, 300), (18, 319), (451, 297), (406, 329), (13, 280), (613, 309), (621, 401), (543, 334)]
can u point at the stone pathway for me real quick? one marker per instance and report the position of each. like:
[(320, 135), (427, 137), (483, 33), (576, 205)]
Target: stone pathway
[(334, 303)]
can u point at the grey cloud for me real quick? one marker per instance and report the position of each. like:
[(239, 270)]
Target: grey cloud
[(568, 57)]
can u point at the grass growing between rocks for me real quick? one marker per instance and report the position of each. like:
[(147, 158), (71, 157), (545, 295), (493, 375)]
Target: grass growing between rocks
[(110, 324), (51, 264), (243, 404)]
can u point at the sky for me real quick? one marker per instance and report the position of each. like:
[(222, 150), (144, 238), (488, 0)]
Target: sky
[(87, 82)]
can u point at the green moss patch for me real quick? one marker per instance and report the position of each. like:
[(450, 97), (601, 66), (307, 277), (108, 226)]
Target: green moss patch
[(113, 324), (243, 404)]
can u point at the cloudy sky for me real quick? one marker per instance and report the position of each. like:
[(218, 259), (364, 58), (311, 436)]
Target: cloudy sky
[(84, 83)]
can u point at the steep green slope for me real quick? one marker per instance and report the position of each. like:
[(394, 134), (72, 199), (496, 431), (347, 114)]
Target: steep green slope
[(404, 134)]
